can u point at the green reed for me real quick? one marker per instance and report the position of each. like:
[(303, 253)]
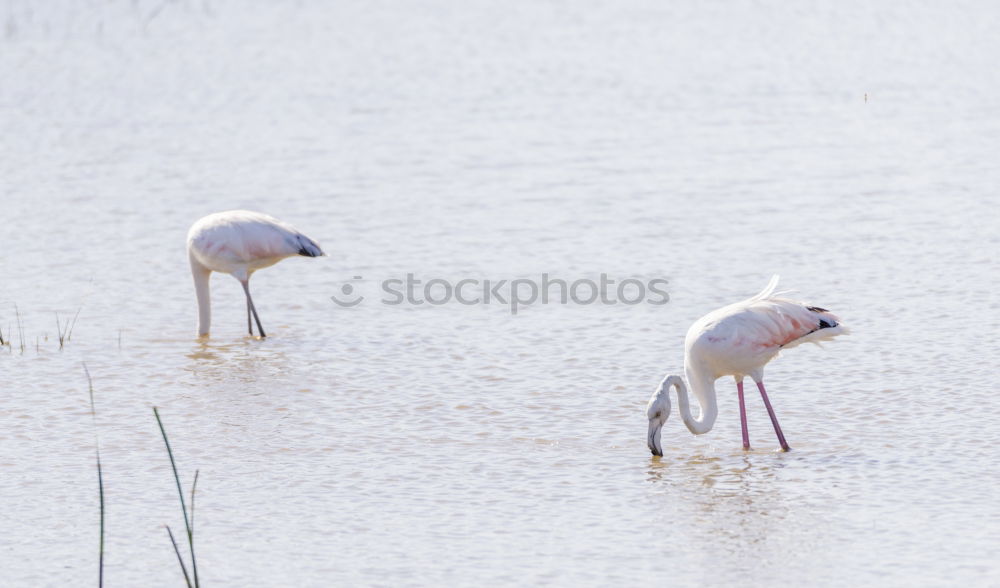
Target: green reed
[(188, 523), (100, 479)]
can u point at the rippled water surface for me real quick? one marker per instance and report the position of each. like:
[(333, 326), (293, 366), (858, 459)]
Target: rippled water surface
[(710, 145)]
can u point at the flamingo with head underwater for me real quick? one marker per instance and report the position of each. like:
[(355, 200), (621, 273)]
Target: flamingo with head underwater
[(737, 340), (240, 242)]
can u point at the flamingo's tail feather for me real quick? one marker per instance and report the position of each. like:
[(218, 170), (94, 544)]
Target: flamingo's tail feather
[(308, 247), (829, 327), (768, 291)]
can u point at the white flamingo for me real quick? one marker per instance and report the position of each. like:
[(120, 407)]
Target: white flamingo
[(240, 242), (737, 340)]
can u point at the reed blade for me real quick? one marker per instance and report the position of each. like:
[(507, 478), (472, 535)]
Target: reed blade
[(180, 559), (100, 478), (180, 494)]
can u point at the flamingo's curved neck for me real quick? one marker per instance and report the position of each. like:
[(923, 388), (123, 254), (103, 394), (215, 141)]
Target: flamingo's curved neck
[(201, 275), (703, 386)]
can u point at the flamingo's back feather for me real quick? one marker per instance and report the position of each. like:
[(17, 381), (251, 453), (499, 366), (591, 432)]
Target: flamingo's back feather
[(239, 237), (742, 337), (768, 290), (788, 323)]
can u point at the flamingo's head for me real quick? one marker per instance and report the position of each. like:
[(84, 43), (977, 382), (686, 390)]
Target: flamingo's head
[(657, 412)]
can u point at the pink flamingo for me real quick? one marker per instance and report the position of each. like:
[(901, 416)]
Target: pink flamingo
[(737, 340), (240, 242)]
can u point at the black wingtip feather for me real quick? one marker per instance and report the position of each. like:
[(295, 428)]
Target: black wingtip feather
[(308, 247), (816, 309)]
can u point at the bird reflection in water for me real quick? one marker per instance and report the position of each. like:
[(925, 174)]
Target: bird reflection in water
[(242, 360), (737, 498)]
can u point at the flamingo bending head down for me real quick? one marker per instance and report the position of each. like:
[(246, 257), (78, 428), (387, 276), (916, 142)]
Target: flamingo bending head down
[(238, 243), (737, 340)]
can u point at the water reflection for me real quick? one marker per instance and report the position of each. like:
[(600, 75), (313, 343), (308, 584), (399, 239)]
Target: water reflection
[(734, 498), (738, 474), (246, 360)]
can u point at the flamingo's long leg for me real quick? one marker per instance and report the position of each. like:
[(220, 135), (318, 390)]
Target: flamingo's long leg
[(253, 309), (743, 416), (774, 419), (249, 321)]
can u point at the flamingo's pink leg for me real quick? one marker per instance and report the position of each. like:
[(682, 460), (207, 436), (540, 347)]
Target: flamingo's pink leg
[(774, 419), (743, 416)]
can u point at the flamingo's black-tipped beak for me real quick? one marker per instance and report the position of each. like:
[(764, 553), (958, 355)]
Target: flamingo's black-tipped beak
[(653, 437)]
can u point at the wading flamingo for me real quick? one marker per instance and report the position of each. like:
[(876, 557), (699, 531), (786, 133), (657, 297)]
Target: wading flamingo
[(238, 243), (737, 340)]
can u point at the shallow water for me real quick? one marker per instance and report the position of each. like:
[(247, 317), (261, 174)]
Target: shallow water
[(419, 445)]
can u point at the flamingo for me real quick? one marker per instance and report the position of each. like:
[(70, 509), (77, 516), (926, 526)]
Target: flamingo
[(737, 340), (240, 242)]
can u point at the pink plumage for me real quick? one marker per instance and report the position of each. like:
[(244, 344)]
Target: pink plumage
[(237, 239), (738, 340)]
